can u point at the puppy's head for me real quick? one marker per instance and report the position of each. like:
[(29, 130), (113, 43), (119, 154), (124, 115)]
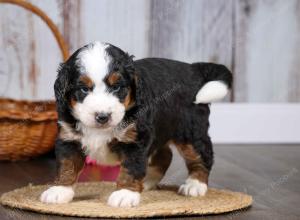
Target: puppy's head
[(96, 85)]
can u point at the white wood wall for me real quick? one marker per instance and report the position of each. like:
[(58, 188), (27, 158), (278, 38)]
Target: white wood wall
[(267, 51), (258, 39)]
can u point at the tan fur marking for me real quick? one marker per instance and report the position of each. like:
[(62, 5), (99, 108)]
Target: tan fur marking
[(130, 134), (193, 162), (69, 170), (73, 103), (126, 181), (161, 159), (127, 133), (113, 78), (66, 132), (87, 81), (128, 101), (158, 164), (112, 143)]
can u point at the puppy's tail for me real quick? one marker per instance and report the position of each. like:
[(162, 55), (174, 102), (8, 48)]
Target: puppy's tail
[(217, 80)]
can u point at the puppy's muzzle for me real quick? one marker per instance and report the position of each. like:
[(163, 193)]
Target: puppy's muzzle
[(102, 117)]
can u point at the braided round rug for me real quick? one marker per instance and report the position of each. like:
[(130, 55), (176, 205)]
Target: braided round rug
[(90, 201)]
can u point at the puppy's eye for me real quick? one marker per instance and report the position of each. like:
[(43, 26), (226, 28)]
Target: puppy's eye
[(116, 88), (84, 90)]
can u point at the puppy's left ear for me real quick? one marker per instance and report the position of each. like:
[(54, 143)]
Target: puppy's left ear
[(62, 89)]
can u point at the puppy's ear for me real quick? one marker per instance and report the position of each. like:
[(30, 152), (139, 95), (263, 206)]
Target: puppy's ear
[(62, 88), (131, 72)]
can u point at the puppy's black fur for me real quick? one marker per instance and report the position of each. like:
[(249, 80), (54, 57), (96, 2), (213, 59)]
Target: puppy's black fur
[(163, 111)]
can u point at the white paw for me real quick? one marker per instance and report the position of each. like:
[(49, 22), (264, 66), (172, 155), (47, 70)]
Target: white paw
[(193, 187), (58, 195), (124, 198)]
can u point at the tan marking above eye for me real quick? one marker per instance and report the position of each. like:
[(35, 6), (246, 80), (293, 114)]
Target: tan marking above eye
[(113, 78), (129, 100), (86, 80)]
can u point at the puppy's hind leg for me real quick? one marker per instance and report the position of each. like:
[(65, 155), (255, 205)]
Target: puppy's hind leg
[(158, 164), (198, 158)]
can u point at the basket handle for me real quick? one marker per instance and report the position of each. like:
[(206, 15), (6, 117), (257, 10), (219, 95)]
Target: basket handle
[(30, 7)]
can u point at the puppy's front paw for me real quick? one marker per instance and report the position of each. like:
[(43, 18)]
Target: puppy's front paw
[(124, 198), (58, 195), (193, 187)]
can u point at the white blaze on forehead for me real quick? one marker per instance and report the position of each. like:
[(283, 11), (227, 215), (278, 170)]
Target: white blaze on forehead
[(94, 61)]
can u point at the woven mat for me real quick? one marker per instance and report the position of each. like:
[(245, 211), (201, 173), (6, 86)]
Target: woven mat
[(91, 197)]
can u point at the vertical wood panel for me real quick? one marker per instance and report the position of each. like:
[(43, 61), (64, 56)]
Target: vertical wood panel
[(123, 23), (13, 51), (48, 55), (70, 11), (242, 12), (30, 51), (294, 78), (192, 30), (267, 46), (5, 65)]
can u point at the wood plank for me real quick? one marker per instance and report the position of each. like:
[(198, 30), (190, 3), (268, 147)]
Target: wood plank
[(294, 78), (248, 173), (285, 172), (30, 51), (192, 31), (70, 11), (122, 23), (47, 55), (267, 46), (14, 50)]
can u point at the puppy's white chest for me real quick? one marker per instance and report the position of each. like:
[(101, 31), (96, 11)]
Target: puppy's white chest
[(95, 145)]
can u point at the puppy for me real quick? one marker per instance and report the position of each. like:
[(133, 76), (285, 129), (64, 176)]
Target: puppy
[(120, 111)]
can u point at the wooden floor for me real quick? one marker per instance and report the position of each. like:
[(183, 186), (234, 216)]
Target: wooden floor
[(270, 173)]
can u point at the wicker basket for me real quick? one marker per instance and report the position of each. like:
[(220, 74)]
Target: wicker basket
[(29, 129)]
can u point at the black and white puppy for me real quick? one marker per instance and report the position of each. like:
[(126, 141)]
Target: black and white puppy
[(120, 111)]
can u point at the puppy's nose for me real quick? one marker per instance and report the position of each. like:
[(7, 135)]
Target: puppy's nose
[(102, 117)]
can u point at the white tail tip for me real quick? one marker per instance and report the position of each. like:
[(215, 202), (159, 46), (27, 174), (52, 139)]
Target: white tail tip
[(211, 92)]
